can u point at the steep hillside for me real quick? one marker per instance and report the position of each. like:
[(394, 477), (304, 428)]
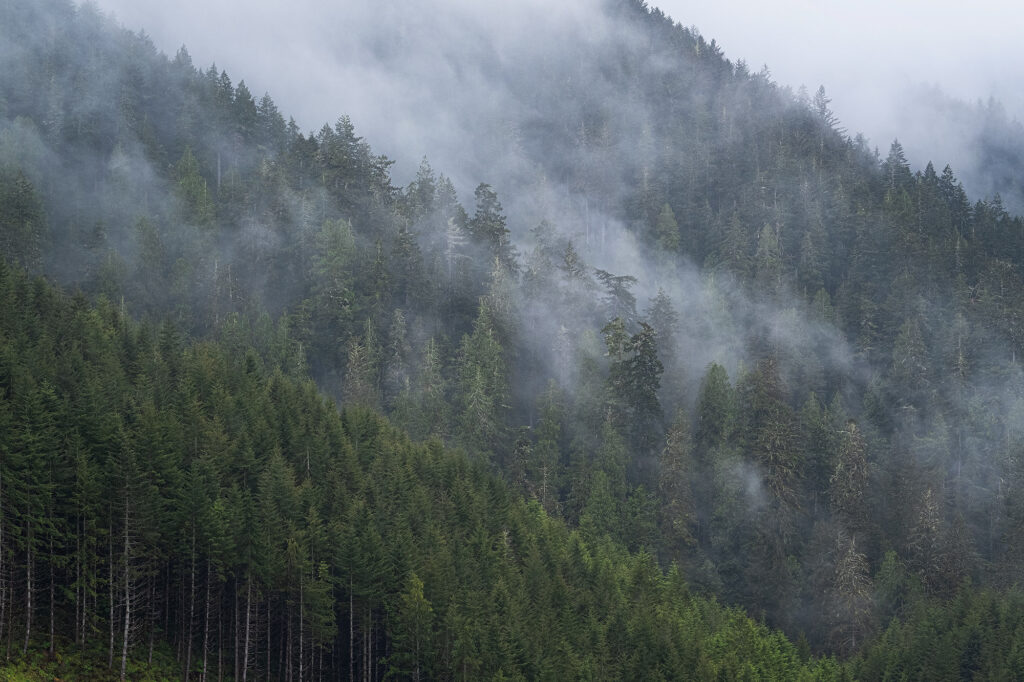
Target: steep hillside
[(193, 499), (709, 327)]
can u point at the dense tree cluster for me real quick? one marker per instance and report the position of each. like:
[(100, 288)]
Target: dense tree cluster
[(196, 501), (846, 452)]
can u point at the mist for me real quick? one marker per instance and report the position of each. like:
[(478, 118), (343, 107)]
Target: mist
[(397, 69), (924, 73), (454, 82), (590, 128)]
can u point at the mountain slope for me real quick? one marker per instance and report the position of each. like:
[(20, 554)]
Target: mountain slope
[(191, 495), (830, 399)]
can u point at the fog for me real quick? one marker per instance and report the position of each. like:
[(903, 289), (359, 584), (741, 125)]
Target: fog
[(395, 68), (539, 103), (867, 53), (874, 58), (905, 70), (438, 79)]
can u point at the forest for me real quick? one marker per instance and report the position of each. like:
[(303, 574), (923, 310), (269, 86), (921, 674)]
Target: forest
[(694, 385)]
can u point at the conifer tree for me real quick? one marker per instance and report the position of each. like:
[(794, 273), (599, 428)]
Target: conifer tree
[(675, 478), (667, 230)]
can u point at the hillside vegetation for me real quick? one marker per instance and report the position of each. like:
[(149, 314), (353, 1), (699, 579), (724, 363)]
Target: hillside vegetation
[(713, 360)]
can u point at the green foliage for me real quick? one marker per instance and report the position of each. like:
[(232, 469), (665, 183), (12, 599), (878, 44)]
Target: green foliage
[(333, 524), (197, 204), (23, 224), (142, 471), (667, 230)]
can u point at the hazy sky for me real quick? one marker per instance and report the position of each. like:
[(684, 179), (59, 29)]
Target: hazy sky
[(868, 54)]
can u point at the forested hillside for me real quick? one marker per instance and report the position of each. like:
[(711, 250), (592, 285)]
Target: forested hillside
[(195, 503), (714, 343)]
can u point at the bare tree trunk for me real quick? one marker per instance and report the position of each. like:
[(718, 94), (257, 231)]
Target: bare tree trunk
[(53, 580), (181, 631), (285, 634), (245, 650), (191, 608), (3, 574), (288, 658), (151, 619), (10, 621), (300, 626), (351, 632), (167, 601), (78, 575), (268, 635), (127, 595), (85, 595), (220, 638), (110, 589), (234, 647), (28, 586), (206, 621)]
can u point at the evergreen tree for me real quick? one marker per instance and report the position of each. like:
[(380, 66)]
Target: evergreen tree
[(849, 481), (196, 203), (489, 229), (23, 228), (666, 230), (675, 478)]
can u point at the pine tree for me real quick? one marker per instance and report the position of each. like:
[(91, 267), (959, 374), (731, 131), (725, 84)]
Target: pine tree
[(715, 410), (675, 478), (23, 228), (413, 623), (667, 230), (848, 483), (852, 607), (483, 386), (196, 203), (489, 229)]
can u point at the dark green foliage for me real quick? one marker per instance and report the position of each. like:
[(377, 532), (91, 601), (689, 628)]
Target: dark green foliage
[(152, 477), (236, 498), (23, 225), (489, 229), (976, 635)]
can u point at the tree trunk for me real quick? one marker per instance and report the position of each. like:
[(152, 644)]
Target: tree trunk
[(234, 647), (127, 595), (285, 632), (182, 630), (167, 601), (288, 657), (206, 621), (53, 581), (3, 575), (351, 632), (87, 579), (150, 619), (300, 626), (110, 589), (268, 635), (220, 638), (245, 649), (78, 576), (28, 586), (191, 609), (10, 621)]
